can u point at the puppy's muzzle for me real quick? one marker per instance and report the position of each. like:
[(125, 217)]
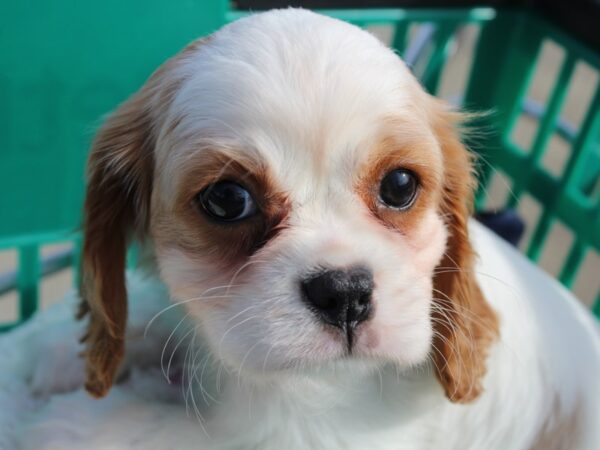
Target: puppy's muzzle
[(340, 297)]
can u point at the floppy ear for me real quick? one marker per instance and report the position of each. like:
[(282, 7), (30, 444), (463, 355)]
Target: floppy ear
[(465, 324), (117, 207)]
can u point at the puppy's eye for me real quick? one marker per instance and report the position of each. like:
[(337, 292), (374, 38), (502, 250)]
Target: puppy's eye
[(227, 201), (399, 189)]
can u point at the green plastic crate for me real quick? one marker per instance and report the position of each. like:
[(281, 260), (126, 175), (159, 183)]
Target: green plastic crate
[(62, 67)]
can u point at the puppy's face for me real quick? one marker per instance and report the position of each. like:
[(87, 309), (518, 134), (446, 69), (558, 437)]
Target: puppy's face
[(302, 192)]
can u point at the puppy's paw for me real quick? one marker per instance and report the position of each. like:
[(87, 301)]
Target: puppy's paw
[(57, 365)]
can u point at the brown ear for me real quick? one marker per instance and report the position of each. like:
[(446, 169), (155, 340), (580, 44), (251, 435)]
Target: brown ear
[(464, 323), (117, 206)]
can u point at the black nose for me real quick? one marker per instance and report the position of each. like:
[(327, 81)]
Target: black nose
[(340, 297)]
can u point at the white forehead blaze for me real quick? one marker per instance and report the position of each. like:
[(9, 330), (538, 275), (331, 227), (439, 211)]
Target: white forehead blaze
[(308, 93)]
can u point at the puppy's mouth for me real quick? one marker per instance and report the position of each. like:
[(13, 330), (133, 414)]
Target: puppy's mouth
[(348, 331)]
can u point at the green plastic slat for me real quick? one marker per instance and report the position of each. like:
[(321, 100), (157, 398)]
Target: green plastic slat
[(530, 43), (29, 274), (36, 238), (574, 209), (546, 127), (8, 326), (364, 23), (436, 64), (390, 15), (400, 37), (586, 138), (503, 64), (572, 264), (77, 248)]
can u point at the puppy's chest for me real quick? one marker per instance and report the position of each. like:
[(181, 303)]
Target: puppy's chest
[(275, 424), (317, 433)]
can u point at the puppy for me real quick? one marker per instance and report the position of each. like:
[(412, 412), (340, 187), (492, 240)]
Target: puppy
[(307, 203)]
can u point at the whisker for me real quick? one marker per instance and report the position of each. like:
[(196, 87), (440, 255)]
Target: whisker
[(183, 375), (244, 266), (205, 393), (241, 322), (183, 302), (241, 368), (264, 366), (245, 310), (162, 354)]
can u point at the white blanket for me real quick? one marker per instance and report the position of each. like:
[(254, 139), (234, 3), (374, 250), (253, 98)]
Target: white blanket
[(43, 404)]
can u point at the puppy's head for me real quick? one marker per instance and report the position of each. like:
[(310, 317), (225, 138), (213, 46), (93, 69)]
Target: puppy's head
[(307, 202)]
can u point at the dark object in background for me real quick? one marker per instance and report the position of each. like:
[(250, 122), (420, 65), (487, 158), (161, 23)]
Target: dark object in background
[(580, 18), (505, 223)]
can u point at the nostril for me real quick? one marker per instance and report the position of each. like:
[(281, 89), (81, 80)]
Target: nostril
[(340, 297), (364, 299), (329, 303)]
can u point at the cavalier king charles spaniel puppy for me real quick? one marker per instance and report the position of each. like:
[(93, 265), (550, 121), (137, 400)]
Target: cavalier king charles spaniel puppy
[(307, 203)]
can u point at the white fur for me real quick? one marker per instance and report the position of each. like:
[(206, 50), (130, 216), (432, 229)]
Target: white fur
[(549, 343), (309, 97)]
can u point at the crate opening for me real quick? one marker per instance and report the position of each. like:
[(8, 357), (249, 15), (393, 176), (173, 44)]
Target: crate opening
[(537, 96), (524, 131), (456, 72), (548, 65), (581, 91), (419, 47), (384, 33), (556, 155), (556, 248), (9, 308), (54, 288), (57, 265), (530, 211), (587, 282), (498, 190), (9, 300), (9, 260)]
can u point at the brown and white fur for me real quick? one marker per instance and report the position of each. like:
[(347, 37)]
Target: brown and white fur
[(309, 114)]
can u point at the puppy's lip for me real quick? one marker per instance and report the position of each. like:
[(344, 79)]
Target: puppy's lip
[(348, 336)]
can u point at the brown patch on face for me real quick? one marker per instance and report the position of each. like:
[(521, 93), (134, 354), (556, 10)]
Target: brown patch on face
[(117, 205), (390, 154), (465, 326), (184, 225), (561, 430)]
